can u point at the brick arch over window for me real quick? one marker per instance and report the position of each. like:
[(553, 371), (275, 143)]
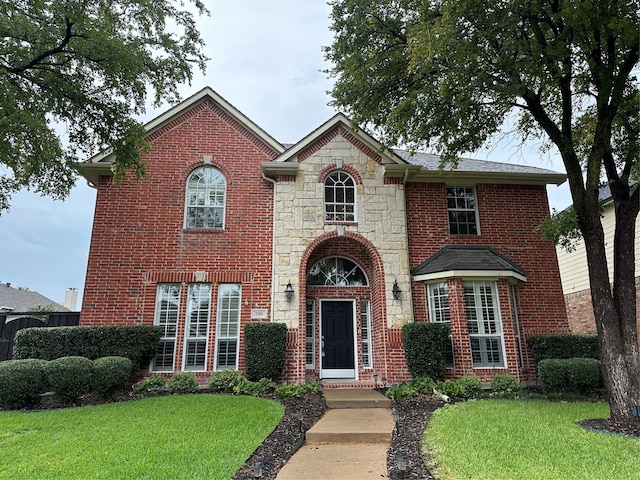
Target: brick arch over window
[(322, 176), (192, 166), (361, 251)]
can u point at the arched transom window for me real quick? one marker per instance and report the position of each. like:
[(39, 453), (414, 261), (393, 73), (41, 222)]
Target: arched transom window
[(336, 271), (206, 195), (339, 198)]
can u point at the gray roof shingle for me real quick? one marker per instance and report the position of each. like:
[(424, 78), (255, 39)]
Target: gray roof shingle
[(17, 300), (472, 257)]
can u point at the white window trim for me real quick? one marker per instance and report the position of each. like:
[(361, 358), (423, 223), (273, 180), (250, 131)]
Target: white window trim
[(198, 338), (156, 322), (355, 199), (475, 209), (187, 206), (498, 321), (219, 337), (310, 319), (367, 343)]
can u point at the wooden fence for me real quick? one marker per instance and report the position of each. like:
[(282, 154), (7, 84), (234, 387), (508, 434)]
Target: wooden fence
[(11, 322)]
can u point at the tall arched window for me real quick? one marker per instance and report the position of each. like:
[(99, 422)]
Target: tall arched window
[(339, 198), (336, 271), (206, 196)]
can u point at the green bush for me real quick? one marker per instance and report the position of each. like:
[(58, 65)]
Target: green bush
[(264, 349), (544, 347), (263, 386), (424, 348), (423, 385), (450, 388), (291, 390), (110, 374), (471, 386), (506, 386), (182, 383), (21, 382), (404, 390), (70, 377), (151, 385), (573, 375), (138, 343), (225, 381)]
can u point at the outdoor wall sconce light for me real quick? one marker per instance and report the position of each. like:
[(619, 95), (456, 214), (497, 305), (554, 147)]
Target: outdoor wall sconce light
[(375, 380), (384, 382), (395, 414), (256, 469), (401, 460), (288, 292), (300, 417), (396, 290)]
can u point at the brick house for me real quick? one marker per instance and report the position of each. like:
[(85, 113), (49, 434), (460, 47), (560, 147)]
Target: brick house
[(341, 240), (574, 272)]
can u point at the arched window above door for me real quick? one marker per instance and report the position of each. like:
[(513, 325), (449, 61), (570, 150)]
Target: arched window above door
[(338, 271)]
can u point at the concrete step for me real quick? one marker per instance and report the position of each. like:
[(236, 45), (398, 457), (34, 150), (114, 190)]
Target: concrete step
[(352, 425), (355, 398)]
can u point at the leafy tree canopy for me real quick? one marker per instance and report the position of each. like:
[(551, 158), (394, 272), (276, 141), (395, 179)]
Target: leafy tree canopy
[(74, 73)]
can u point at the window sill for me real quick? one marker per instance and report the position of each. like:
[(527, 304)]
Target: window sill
[(199, 231), (340, 223)]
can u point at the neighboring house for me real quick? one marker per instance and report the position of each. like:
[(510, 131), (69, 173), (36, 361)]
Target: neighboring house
[(575, 274), (24, 300), (338, 238)]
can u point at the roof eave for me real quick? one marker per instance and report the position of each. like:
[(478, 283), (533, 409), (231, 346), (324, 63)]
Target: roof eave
[(276, 169), (475, 274)]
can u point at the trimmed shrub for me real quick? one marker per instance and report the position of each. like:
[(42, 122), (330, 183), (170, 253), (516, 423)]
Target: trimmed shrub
[(21, 382), (225, 381), (424, 346), (450, 388), (544, 347), (263, 386), (182, 383), (264, 350), (151, 385), (573, 375), (69, 377), (292, 390), (506, 386), (138, 343), (404, 390), (110, 374), (471, 386)]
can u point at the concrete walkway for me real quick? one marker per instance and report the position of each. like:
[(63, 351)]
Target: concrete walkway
[(349, 442)]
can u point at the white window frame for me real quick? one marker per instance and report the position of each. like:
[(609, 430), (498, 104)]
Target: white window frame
[(167, 318), (210, 195), (228, 321), (463, 208), (310, 335), (341, 184), (485, 321), (439, 311), (365, 334), (196, 329)]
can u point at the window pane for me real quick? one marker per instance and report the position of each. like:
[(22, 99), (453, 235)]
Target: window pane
[(228, 326), (166, 316), (339, 197), (485, 326), (461, 204), (439, 311), (336, 271), (205, 199)]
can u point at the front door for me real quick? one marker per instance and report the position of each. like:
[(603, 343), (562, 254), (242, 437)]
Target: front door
[(338, 351)]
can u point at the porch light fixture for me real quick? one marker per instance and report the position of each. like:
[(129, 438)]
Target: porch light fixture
[(375, 380), (256, 469), (384, 382), (396, 290), (401, 460), (288, 291), (300, 417)]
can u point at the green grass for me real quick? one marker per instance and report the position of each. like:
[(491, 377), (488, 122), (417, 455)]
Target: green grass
[(186, 436), (512, 440)]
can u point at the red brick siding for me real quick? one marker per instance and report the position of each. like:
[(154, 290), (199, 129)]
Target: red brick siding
[(138, 238), (508, 217)]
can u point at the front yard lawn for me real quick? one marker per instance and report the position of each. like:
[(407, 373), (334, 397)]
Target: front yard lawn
[(184, 436), (512, 440)]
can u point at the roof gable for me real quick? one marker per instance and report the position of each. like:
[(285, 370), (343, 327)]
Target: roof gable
[(100, 164)]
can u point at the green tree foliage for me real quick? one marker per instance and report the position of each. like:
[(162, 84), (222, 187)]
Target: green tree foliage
[(73, 75), (448, 74)]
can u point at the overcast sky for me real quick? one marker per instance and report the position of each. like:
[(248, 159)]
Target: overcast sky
[(266, 60)]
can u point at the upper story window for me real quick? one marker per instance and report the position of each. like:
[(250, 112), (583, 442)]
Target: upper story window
[(336, 271), (461, 203), (339, 197), (206, 196)]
